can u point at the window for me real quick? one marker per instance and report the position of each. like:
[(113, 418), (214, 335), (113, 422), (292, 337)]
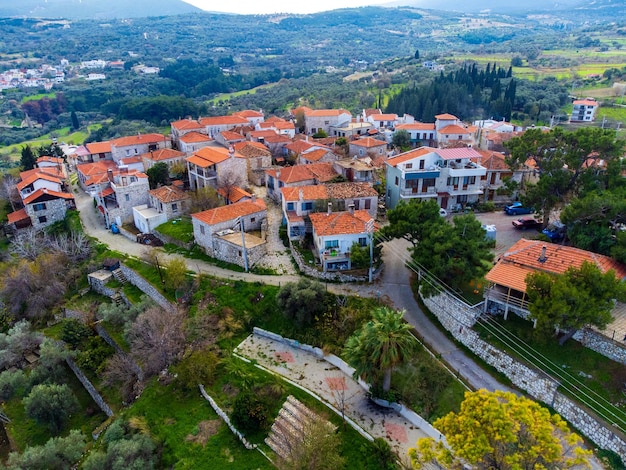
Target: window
[(174, 207), (397, 181), (289, 206), (362, 241), (133, 179), (422, 163), (453, 180), (43, 219), (39, 206), (408, 166), (307, 206), (368, 204), (127, 152), (469, 180), (252, 220), (127, 196), (357, 204), (202, 229), (331, 244)]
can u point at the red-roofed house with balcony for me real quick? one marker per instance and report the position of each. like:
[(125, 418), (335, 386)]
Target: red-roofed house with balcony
[(258, 158), (383, 121), (334, 233), (367, 146), (584, 110), (507, 290), (213, 166), (422, 133), (94, 152), (316, 120), (300, 201), (135, 145), (497, 172), (450, 176), (219, 232), (56, 164)]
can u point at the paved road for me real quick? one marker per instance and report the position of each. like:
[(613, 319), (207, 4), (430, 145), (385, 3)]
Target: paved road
[(394, 284)]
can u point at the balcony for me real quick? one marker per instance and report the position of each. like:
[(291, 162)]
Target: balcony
[(431, 191), (466, 169), (335, 255)]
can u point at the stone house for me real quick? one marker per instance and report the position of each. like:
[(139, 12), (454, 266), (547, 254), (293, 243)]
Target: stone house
[(192, 142), (168, 156), (183, 127), (219, 231), (126, 189), (42, 208), (165, 203), (93, 152), (258, 158), (299, 201), (358, 170), (317, 156), (228, 138), (298, 175), (367, 146), (316, 120), (334, 233), (136, 145), (216, 124), (253, 117), (216, 166)]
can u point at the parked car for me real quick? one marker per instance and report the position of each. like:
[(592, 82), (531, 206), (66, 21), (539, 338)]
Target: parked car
[(525, 223), (555, 231), (443, 212), (518, 209)]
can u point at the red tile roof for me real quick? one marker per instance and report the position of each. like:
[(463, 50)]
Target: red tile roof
[(339, 223), (326, 112), (17, 216), (31, 178), (524, 257), (446, 117), (586, 102), (191, 137), (328, 191), (299, 146), (315, 155), (140, 139), (368, 142), (49, 159), (168, 194), (230, 212), (208, 156), (410, 155), (456, 153), (247, 113), (453, 129), (230, 135), (234, 193), (493, 161), (252, 149), (98, 147), (186, 124), (223, 121), (46, 192), (417, 126), (163, 154), (384, 117), (322, 172)]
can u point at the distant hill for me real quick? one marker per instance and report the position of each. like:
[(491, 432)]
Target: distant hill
[(526, 7), (94, 9)]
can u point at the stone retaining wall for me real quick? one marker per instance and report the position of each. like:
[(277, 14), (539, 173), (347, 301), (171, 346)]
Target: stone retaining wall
[(111, 342), (146, 288), (458, 318), (97, 398), (599, 343)]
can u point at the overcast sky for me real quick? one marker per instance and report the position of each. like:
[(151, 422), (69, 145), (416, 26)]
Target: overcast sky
[(248, 7)]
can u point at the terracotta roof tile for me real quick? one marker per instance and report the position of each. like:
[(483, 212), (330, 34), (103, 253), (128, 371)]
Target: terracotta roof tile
[(446, 117), (140, 139), (230, 212), (417, 126), (368, 142), (247, 113), (31, 178), (453, 129), (98, 147), (223, 121), (234, 194), (410, 155), (168, 194), (384, 117), (315, 155), (186, 124), (252, 149), (230, 136), (327, 112), (17, 216), (163, 154), (208, 156), (493, 161), (191, 137), (339, 223), (46, 192), (524, 257)]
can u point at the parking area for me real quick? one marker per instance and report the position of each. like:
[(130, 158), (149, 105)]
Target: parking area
[(506, 234)]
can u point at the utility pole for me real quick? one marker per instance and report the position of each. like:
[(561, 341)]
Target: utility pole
[(369, 227), (243, 244)]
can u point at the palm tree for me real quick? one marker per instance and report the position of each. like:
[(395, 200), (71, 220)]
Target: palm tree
[(380, 345)]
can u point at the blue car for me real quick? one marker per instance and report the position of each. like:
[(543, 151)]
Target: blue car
[(555, 231), (517, 209)]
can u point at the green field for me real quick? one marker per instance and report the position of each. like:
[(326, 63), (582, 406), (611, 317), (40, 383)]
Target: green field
[(38, 97)]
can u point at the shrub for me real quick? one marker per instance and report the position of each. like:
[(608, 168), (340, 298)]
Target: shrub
[(250, 413), (50, 405), (11, 383)]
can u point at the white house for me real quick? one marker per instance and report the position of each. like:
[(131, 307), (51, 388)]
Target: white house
[(584, 110), (316, 120)]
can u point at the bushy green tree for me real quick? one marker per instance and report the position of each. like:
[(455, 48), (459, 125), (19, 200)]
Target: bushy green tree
[(57, 453), (74, 332), (302, 301), (158, 175), (401, 139), (28, 159), (51, 405)]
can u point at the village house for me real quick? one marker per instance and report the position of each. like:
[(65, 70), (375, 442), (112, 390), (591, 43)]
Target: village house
[(300, 201), (298, 175), (228, 138), (497, 172), (122, 190), (584, 110), (451, 132), (316, 156), (367, 146), (164, 203), (253, 117), (359, 170), (223, 232), (351, 130), (233, 194), (450, 176), (90, 175), (334, 233), (168, 156), (55, 164), (193, 141), (216, 166), (422, 134), (383, 121), (136, 145), (93, 152), (258, 158), (214, 125), (277, 146), (183, 127), (316, 120), (507, 279)]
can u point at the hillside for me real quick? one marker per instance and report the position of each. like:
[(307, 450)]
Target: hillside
[(94, 9)]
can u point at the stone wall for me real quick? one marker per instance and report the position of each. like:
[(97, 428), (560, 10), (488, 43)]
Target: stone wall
[(596, 341), (458, 318), (97, 398), (146, 288), (232, 253)]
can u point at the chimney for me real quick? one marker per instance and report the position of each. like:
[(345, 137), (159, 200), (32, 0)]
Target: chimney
[(231, 151), (300, 195), (253, 198), (543, 257), (110, 175), (351, 209), (330, 208)]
